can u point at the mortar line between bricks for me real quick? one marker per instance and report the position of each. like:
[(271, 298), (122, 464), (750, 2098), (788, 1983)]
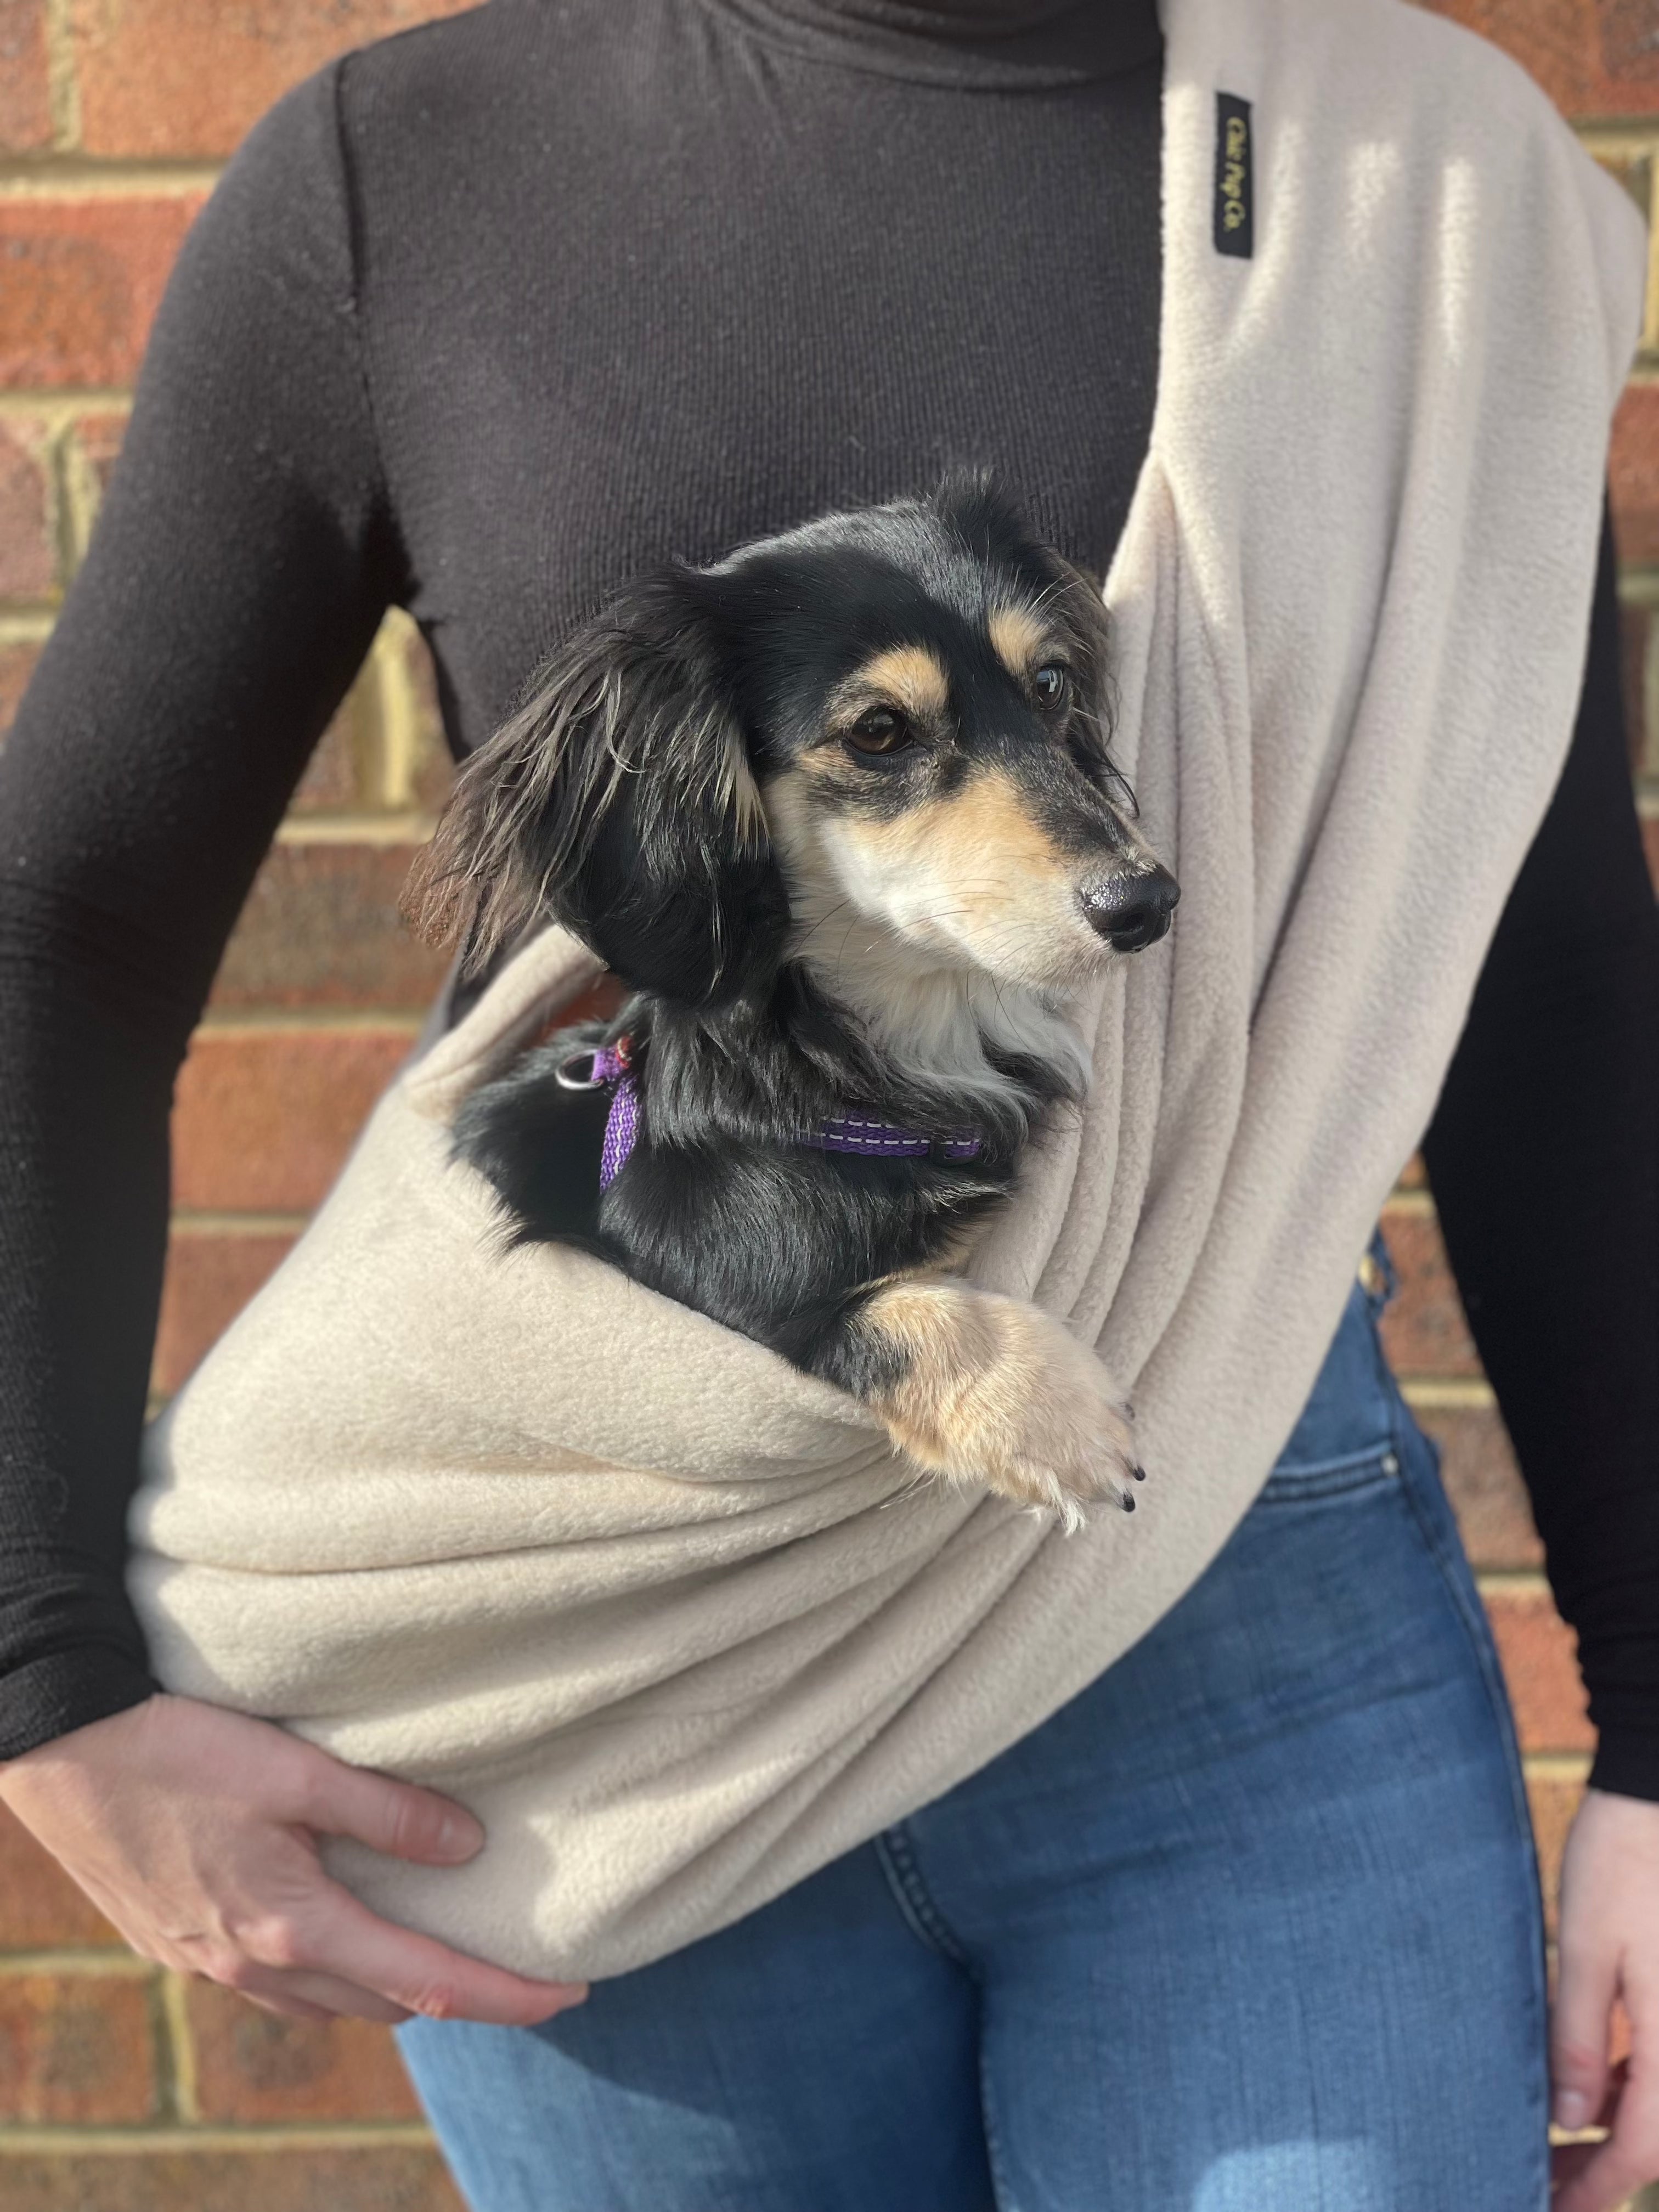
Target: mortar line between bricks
[(1556, 1765), (34, 400), (1438, 1394), (179, 2049), (62, 86), (399, 720), (82, 499), (326, 1021), (54, 178), (161, 2047), (65, 515), (1419, 1204), (1630, 137), (1638, 583), (402, 829), (116, 1960), (56, 419), (25, 625), (36, 2141), (1512, 1582)]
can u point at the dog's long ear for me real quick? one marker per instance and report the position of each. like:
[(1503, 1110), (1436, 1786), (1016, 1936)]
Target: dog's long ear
[(619, 799)]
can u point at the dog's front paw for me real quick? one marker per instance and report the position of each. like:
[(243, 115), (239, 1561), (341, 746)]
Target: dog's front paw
[(988, 1389)]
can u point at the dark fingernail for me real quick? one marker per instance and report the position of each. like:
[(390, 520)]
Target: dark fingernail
[(1129, 1502), (1139, 1472)]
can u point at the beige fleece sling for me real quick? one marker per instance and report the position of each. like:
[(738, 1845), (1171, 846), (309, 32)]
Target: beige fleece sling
[(667, 1614)]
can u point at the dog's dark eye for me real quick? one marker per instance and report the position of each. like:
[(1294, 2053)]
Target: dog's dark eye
[(1051, 683), (882, 730)]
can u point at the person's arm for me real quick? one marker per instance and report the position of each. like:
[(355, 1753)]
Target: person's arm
[(234, 584), (1544, 1158), (235, 581)]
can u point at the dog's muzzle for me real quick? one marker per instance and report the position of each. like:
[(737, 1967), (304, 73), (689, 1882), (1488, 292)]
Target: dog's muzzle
[(1131, 911)]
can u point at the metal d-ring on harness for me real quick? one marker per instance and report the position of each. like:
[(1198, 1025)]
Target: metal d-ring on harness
[(609, 1067)]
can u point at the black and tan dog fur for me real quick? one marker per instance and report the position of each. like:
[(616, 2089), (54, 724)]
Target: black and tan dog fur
[(839, 810)]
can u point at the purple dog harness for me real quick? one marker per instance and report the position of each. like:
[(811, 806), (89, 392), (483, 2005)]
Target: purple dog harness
[(611, 1069)]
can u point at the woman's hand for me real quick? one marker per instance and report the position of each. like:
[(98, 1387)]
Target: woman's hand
[(194, 1831), (1609, 1947)]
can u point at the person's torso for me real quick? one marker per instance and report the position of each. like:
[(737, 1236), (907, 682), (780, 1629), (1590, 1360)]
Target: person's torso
[(644, 281)]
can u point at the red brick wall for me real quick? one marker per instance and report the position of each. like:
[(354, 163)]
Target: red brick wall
[(121, 2089)]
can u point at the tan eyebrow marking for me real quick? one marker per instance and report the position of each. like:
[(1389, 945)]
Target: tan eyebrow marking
[(912, 676), (1018, 638)]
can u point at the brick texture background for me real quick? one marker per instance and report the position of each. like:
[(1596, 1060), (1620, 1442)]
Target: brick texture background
[(121, 2089)]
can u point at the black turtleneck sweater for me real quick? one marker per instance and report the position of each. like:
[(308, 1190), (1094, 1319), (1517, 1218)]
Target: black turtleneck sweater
[(487, 316)]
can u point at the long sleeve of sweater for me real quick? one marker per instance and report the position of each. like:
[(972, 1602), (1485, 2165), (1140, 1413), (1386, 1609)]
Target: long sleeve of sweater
[(234, 583), (1544, 1157)]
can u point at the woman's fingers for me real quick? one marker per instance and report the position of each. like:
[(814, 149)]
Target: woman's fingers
[(290, 2008), (1569, 2160), (320, 1996), (193, 1827), (1596, 2178), (1580, 2027), (397, 1818), (409, 1973), (426, 1976), (400, 1972), (1609, 1950)]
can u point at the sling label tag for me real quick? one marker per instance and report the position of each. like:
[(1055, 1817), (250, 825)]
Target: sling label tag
[(1235, 211)]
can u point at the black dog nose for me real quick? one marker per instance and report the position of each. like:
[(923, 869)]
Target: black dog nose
[(1131, 912)]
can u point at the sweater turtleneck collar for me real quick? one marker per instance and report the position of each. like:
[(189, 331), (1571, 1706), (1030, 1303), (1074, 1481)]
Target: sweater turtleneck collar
[(1006, 45)]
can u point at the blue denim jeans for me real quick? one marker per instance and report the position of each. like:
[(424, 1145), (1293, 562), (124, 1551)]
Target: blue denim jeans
[(1251, 1925)]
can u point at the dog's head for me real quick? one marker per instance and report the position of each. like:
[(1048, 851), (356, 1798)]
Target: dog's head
[(891, 719)]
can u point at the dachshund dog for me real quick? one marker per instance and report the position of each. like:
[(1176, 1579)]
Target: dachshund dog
[(838, 809)]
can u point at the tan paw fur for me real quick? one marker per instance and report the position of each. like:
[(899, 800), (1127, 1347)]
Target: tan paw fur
[(991, 1390)]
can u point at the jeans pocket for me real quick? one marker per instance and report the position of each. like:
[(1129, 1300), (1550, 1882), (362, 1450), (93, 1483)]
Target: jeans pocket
[(1356, 1474)]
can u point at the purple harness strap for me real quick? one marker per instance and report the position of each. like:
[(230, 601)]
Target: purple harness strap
[(853, 1132), (622, 1126), (856, 1133)]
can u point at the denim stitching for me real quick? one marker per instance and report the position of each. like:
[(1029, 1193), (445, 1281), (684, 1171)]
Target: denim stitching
[(1410, 1438), (1477, 1632), (898, 1863), (1344, 1478), (1001, 2181), (897, 1857), (1339, 1463)]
